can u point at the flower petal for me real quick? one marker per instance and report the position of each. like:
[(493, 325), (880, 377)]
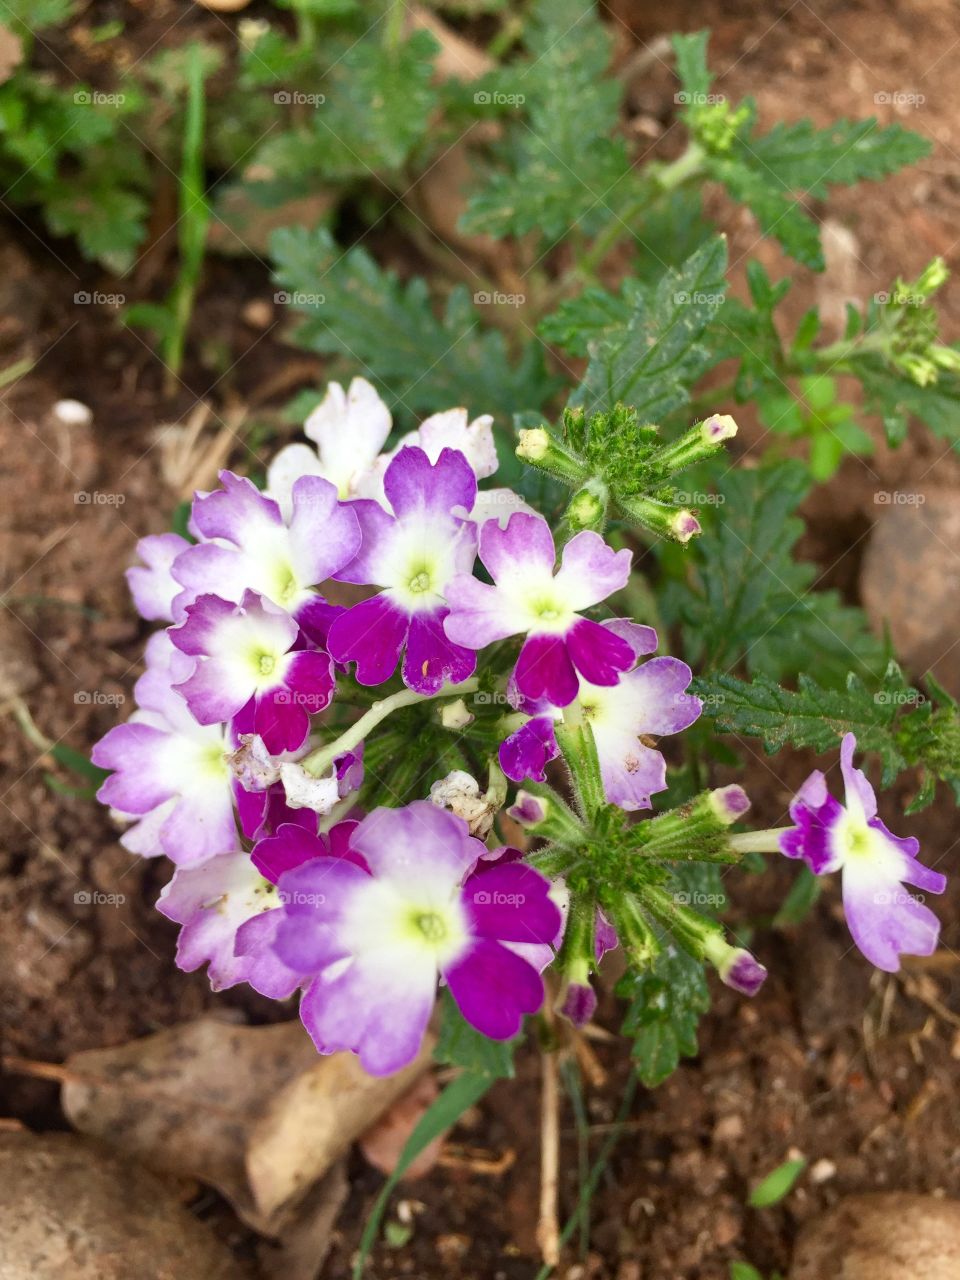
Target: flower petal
[(494, 988), (590, 570), (371, 634), (414, 485), (431, 658), (544, 670)]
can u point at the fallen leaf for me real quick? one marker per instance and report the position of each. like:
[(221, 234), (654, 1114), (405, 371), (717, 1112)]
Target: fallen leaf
[(73, 1208), (253, 1111), (384, 1141), (303, 1239)]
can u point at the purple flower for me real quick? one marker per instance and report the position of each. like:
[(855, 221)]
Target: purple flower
[(884, 919), (248, 669), (527, 599), (650, 699), (412, 554), (230, 915), (373, 940), (152, 584), (171, 773), (248, 546)]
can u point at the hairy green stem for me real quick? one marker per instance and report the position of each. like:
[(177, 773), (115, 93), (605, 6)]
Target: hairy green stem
[(319, 761)]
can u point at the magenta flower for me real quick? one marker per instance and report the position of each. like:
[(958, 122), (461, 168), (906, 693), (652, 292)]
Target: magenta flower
[(528, 599), (884, 919), (411, 554), (374, 939), (648, 700), (248, 546), (171, 776), (249, 669)]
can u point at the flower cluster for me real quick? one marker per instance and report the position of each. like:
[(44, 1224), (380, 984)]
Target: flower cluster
[(296, 868)]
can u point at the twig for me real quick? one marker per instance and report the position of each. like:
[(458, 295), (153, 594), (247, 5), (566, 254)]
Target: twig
[(548, 1226)]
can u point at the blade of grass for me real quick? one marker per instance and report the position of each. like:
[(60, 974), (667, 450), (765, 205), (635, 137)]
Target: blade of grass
[(460, 1094)]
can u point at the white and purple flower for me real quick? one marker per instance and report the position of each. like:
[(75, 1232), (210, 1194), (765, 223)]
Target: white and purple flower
[(373, 939), (412, 554), (250, 671), (526, 598), (229, 915), (884, 919), (349, 430), (171, 777), (249, 546), (152, 583), (650, 699)]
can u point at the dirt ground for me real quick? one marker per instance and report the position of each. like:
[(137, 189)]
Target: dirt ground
[(855, 1070)]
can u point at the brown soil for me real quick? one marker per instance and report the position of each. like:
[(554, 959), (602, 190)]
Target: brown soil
[(831, 1060)]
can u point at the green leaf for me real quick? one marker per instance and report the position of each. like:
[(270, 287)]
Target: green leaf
[(654, 355), (665, 1007), (776, 1185), (743, 596), (364, 119), (812, 716), (461, 1045), (457, 1097), (692, 70), (386, 330), (558, 165), (34, 15), (766, 171), (744, 1271), (798, 903), (801, 157), (897, 399), (809, 716)]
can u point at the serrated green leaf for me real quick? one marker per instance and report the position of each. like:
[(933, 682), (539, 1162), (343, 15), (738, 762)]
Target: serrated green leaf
[(666, 1004), (801, 157), (559, 167), (651, 359), (744, 597), (691, 54), (386, 330), (809, 716), (897, 399), (461, 1045)]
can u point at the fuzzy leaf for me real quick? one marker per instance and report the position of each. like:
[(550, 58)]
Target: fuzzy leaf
[(386, 330), (559, 165), (654, 355), (665, 1007), (743, 596)]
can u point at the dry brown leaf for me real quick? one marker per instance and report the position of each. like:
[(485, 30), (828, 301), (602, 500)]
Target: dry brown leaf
[(73, 1210), (254, 1111)]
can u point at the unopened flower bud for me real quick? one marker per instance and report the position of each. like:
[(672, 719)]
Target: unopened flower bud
[(528, 810), (736, 967), (534, 444), (729, 803), (685, 526), (578, 1004), (719, 427)]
